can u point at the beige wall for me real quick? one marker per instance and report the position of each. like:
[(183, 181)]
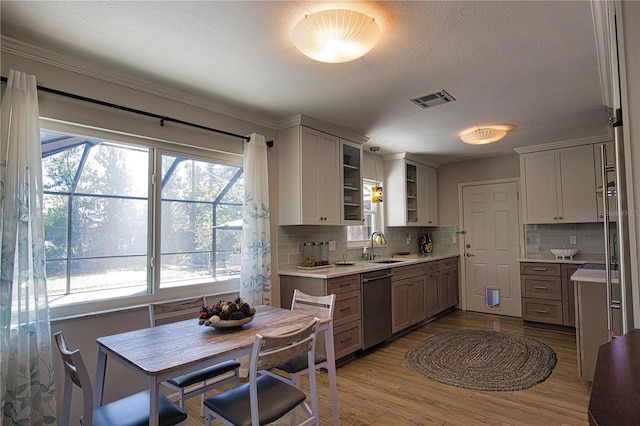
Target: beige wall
[(450, 175), (81, 332)]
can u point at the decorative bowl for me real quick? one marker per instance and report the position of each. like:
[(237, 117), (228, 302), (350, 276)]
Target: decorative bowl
[(564, 252), (224, 324)]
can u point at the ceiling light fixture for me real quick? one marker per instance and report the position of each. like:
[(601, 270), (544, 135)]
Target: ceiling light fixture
[(336, 35), (484, 135)]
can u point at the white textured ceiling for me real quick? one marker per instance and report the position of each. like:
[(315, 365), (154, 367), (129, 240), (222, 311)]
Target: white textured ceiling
[(530, 64)]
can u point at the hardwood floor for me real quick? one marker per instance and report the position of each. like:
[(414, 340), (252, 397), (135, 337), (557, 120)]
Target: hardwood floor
[(377, 389)]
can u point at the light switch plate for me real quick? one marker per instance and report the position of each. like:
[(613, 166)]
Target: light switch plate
[(572, 239)]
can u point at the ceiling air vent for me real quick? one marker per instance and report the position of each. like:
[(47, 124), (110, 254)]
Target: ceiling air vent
[(434, 99)]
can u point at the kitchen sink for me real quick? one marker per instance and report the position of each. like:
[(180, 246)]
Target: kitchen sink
[(387, 261)]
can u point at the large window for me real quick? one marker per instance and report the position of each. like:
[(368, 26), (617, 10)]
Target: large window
[(103, 225), (359, 236), (201, 207)]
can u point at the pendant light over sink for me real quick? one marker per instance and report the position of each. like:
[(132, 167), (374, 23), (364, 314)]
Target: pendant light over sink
[(336, 35)]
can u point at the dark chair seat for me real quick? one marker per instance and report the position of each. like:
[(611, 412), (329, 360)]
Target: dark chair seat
[(133, 410), (300, 363), (274, 398), (204, 374)]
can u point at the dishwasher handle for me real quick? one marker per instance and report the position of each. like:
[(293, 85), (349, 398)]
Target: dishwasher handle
[(366, 280)]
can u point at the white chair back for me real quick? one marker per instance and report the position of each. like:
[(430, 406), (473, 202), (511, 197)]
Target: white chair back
[(319, 306), (179, 310)]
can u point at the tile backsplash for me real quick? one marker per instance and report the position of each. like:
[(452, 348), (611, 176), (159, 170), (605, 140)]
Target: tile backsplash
[(399, 239), (540, 239)]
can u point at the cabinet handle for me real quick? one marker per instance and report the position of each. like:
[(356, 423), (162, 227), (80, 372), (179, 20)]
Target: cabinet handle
[(344, 285), (345, 309), (540, 287), (346, 340), (539, 269), (540, 311)]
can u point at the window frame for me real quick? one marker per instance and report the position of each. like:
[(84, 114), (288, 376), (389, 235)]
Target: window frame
[(77, 305), (377, 213)]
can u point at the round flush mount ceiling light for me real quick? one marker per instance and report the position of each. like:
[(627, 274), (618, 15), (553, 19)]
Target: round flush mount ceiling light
[(336, 35), (484, 135)]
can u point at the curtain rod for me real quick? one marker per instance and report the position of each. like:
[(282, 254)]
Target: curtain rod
[(137, 111)]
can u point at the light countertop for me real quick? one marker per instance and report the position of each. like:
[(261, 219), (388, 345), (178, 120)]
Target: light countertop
[(553, 260), (359, 267), (584, 275)]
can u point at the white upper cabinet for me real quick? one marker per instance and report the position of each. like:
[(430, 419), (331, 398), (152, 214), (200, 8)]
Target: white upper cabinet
[(431, 199), (320, 174), (351, 178), (559, 186), (309, 179), (410, 193)]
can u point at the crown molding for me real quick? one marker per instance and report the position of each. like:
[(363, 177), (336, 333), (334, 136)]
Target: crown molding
[(79, 66), (304, 120), (591, 140), (416, 158)]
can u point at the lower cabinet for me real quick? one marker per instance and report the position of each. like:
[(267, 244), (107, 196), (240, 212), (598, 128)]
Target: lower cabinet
[(441, 286), (568, 295), (407, 297), (548, 293), (347, 315)]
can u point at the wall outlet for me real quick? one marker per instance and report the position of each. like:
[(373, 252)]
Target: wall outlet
[(454, 239), (408, 239), (332, 245), (572, 240)]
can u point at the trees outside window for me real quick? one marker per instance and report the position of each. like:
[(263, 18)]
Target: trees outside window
[(101, 217)]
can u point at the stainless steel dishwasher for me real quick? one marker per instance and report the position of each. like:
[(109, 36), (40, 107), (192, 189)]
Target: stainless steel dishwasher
[(376, 307)]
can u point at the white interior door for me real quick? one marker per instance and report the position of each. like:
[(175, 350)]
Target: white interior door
[(491, 248)]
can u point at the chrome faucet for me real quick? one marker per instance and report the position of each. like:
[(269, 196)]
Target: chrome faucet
[(373, 235)]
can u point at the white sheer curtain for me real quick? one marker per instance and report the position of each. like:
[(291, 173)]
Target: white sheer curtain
[(255, 275), (26, 372)]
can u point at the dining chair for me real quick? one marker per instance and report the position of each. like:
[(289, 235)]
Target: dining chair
[(319, 306), (202, 381), (266, 398), (132, 410)]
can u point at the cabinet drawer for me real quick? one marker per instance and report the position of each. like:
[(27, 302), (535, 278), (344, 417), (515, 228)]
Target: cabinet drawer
[(541, 287), (346, 339), (547, 311), (447, 264), (343, 284), (410, 271), (430, 267), (540, 269), (347, 308)]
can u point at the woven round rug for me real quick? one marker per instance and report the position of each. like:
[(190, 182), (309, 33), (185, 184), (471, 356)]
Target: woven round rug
[(482, 360)]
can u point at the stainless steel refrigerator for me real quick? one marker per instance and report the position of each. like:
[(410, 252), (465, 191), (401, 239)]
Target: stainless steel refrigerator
[(613, 174)]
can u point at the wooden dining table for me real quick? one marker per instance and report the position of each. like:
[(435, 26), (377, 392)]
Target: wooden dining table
[(167, 351)]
